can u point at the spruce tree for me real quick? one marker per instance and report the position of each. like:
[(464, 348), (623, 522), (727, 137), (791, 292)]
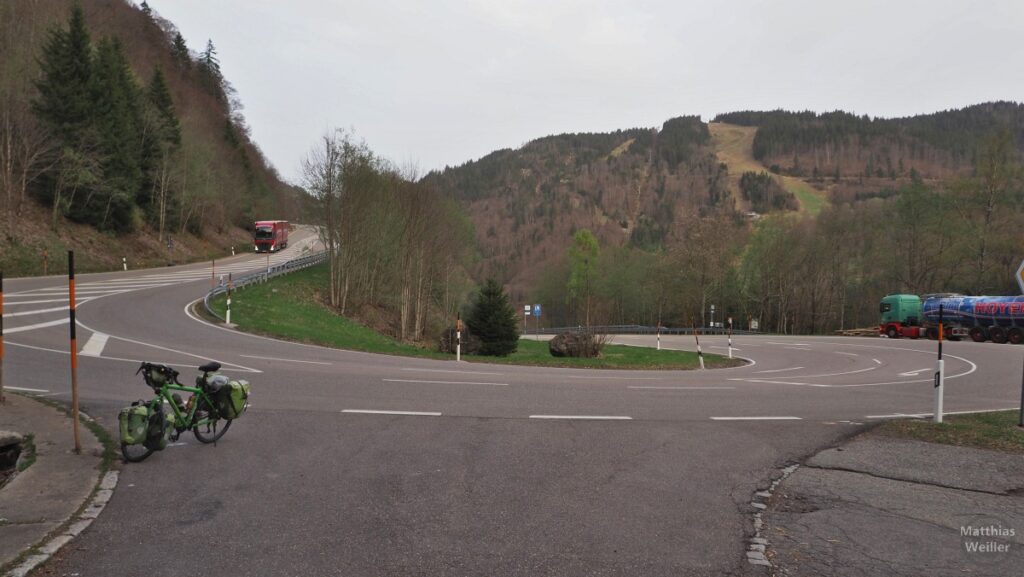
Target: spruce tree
[(159, 96), (118, 118), (65, 99), (493, 319), (180, 51)]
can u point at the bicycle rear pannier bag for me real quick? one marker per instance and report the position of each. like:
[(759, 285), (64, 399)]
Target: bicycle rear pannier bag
[(233, 399), (134, 422)]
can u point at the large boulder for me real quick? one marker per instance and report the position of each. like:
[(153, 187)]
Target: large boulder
[(575, 344)]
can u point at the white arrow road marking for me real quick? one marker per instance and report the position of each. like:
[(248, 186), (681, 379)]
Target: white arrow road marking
[(913, 373), (94, 347)]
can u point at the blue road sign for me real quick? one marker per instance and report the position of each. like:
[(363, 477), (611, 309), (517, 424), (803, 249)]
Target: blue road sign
[(536, 310)]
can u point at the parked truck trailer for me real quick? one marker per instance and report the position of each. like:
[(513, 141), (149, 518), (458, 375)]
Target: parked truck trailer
[(980, 318)]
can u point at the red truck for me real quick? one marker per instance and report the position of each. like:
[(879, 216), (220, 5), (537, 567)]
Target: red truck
[(271, 235)]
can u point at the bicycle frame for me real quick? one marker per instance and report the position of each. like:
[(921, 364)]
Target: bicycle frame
[(182, 421)]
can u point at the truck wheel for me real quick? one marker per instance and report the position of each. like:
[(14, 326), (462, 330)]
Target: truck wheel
[(977, 335), (891, 332), (997, 334), (1015, 336)]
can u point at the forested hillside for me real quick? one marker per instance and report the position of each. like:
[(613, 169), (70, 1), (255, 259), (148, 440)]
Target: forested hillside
[(944, 213), (631, 187), (839, 144), (109, 122)]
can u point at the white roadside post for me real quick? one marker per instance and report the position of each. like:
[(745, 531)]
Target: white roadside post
[(227, 316), (124, 262), (730, 337), (232, 251), (700, 354), (659, 335), (458, 338), (940, 374)]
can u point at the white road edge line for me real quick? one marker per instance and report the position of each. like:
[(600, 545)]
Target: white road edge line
[(405, 413), (583, 417), (442, 382), (922, 415), (26, 390), (778, 370), (680, 388), (450, 371), (756, 419), (284, 360), (35, 326)]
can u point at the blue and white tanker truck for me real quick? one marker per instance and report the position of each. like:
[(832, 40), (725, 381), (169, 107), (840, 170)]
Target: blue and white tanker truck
[(999, 319)]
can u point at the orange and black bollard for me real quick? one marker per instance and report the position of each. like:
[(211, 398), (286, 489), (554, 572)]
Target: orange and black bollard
[(74, 351)]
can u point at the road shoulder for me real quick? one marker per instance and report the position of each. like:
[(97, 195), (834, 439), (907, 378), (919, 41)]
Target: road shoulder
[(38, 505), (878, 505)]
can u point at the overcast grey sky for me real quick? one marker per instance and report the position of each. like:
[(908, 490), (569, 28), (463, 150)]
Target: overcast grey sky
[(442, 82)]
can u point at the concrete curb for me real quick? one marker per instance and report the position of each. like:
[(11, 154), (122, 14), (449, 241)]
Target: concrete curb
[(74, 527)]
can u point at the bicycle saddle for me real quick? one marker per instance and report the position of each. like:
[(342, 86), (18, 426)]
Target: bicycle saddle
[(210, 367)]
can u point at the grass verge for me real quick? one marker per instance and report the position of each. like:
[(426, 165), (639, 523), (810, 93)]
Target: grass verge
[(290, 307), (996, 431)]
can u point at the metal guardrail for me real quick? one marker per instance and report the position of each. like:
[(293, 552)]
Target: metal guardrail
[(641, 330), (263, 276)]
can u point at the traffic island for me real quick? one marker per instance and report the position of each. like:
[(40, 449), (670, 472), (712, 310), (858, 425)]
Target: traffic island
[(885, 505)]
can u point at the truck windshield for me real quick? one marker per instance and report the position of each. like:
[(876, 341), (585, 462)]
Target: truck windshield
[(264, 232)]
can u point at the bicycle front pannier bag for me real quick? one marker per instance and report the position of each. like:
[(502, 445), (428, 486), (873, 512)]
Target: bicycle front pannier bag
[(159, 429), (134, 423), (233, 399)]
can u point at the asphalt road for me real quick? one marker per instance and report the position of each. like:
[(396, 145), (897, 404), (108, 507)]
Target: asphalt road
[(502, 471)]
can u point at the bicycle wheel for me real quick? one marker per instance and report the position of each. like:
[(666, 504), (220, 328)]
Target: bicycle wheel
[(214, 428), (135, 453)]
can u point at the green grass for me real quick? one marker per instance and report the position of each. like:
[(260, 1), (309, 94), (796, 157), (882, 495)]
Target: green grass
[(290, 307), (28, 453), (811, 200), (997, 431)]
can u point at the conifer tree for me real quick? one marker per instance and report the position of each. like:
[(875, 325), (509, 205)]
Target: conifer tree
[(64, 103), (159, 96), (180, 51), (118, 120), (493, 319)]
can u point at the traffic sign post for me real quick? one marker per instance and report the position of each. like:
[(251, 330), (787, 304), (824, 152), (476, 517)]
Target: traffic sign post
[(536, 321)]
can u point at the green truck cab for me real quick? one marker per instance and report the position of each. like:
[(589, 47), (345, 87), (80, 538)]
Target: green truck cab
[(900, 316)]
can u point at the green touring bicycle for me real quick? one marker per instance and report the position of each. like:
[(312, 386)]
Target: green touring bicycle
[(213, 403)]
